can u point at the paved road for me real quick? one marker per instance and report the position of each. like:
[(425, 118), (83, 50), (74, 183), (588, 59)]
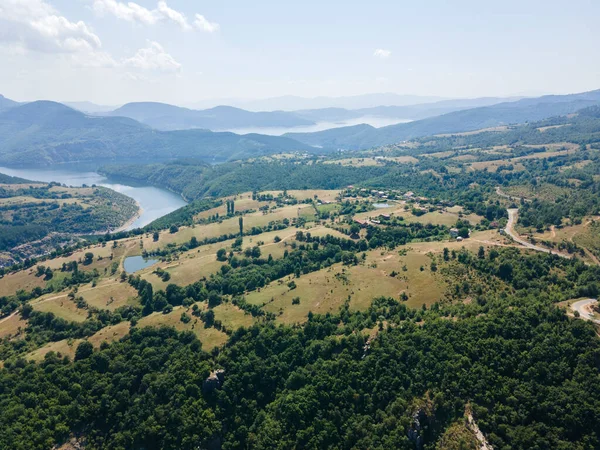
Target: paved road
[(513, 215), (583, 307)]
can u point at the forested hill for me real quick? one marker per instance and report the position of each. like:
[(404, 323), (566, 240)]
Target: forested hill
[(47, 132), (7, 179), (526, 110), (168, 117)]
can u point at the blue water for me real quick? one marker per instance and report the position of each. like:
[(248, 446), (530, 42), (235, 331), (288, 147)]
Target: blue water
[(381, 205), (133, 264), (155, 202)]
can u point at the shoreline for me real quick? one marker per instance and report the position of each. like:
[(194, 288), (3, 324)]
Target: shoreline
[(132, 220)]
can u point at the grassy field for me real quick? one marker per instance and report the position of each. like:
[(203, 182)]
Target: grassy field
[(24, 279), (549, 192), (61, 306), (326, 290), (12, 326), (210, 337), (226, 227), (233, 317), (66, 347), (109, 294), (447, 218)]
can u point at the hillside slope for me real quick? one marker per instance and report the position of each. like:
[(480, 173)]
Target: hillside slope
[(6, 103), (525, 110), (47, 133), (168, 117)]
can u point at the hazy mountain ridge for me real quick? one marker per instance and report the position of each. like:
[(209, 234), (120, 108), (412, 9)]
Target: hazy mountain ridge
[(163, 116), (6, 103), (520, 111), (47, 132)]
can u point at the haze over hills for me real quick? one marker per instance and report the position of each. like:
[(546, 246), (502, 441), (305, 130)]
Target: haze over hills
[(45, 132), (524, 110), (89, 107), (163, 116), (168, 117), (294, 103)]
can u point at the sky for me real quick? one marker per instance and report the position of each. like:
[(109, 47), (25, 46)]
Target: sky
[(184, 51)]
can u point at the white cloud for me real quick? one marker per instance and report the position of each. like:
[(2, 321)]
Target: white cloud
[(132, 12), (153, 57), (173, 16), (204, 25), (35, 25), (382, 53)]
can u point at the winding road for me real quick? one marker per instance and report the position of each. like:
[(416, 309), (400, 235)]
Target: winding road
[(513, 215), (584, 308)]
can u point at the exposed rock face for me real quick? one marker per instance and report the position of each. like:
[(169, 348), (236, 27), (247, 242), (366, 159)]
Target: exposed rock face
[(214, 381), (415, 432)]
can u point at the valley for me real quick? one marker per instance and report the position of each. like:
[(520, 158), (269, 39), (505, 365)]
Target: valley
[(435, 255)]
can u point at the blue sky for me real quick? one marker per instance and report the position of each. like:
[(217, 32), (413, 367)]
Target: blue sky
[(183, 51)]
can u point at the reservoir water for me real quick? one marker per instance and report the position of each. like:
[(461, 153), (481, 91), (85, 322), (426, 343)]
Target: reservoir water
[(155, 202), (133, 264)]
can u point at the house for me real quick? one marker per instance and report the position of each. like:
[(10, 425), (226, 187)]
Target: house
[(454, 232), (384, 216), (459, 239), (409, 194), (362, 223)]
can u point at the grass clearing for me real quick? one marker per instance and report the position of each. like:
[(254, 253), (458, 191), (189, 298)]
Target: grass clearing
[(66, 347), (61, 306), (12, 326), (24, 279), (326, 290), (109, 294), (233, 317), (210, 337)]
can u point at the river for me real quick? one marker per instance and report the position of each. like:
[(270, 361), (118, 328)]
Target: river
[(155, 202)]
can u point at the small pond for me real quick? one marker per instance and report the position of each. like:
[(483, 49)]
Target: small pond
[(134, 264), (381, 205)]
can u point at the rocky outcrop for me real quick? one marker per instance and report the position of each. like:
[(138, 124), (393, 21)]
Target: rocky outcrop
[(214, 381)]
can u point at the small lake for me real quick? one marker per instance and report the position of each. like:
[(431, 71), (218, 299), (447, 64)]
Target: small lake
[(381, 205), (155, 202), (133, 264)]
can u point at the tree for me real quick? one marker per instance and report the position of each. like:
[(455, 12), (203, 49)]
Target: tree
[(88, 258), (214, 299), (84, 350), (221, 254), (481, 252), (241, 222), (155, 236), (173, 229), (463, 232), (209, 318)]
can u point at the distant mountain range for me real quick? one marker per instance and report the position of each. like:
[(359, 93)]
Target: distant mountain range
[(294, 103), (162, 116), (520, 111), (168, 117), (45, 132)]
